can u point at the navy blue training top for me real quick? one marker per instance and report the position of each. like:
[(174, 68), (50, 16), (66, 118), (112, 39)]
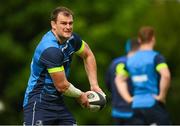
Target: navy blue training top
[(120, 108), (50, 56)]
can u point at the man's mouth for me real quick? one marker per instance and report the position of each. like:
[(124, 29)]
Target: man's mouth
[(67, 31)]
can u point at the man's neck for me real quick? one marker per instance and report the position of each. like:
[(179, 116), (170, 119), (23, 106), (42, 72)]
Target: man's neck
[(147, 46), (131, 53), (60, 40)]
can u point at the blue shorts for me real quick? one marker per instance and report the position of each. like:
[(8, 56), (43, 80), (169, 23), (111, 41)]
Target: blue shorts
[(47, 111), (156, 114)]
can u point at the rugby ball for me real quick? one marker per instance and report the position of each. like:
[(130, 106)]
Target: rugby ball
[(96, 100)]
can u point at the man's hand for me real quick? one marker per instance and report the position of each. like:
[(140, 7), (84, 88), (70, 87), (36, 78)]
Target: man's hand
[(83, 100), (130, 100), (160, 98), (96, 88)]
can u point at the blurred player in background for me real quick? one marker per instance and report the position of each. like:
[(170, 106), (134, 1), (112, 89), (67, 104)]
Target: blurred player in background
[(150, 77), (122, 114), (43, 101)]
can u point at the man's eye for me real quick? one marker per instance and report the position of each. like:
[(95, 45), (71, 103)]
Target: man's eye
[(70, 23), (64, 23)]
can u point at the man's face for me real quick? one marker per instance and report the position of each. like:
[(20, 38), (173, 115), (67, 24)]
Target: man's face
[(63, 26)]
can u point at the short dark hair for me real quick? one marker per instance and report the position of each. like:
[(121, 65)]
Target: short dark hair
[(56, 11), (145, 34)]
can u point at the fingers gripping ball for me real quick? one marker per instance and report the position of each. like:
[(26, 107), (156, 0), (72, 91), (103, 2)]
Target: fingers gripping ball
[(96, 100)]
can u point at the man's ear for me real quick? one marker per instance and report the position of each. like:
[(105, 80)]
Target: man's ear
[(53, 24), (153, 38)]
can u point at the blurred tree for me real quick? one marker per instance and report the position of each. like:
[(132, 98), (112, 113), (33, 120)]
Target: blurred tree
[(104, 25)]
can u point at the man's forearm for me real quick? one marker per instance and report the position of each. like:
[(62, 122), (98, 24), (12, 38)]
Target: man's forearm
[(164, 86), (91, 69), (164, 83), (122, 88)]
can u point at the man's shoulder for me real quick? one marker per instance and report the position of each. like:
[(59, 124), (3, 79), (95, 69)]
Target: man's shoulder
[(49, 36), (120, 59), (116, 61), (74, 38), (47, 44), (144, 53), (47, 41), (158, 53)]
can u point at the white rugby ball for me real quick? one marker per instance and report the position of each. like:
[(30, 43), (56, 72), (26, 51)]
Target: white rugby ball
[(96, 100)]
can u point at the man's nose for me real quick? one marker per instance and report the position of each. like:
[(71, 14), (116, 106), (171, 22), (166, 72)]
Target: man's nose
[(68, 25)]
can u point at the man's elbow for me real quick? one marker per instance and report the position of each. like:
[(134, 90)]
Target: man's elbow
[(167, 77), (62, 87)]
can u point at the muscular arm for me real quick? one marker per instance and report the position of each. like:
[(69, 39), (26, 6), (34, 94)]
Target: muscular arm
[(122, 87), (121, 82), (51, 58), (90, 67), (164, 84), (65, 87), (60, 81)]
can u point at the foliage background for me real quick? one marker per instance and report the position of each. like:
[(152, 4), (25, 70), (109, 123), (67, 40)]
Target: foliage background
[(104, 25)]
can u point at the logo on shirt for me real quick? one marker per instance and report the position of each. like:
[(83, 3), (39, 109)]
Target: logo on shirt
[(140, 78)]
